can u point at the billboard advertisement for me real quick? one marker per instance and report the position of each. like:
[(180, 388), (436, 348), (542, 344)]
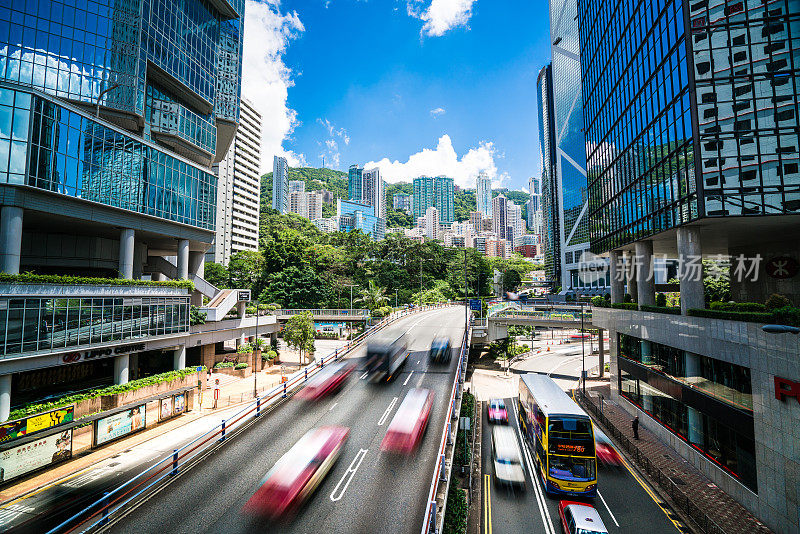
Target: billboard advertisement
[(118, 425), (179, 406), (166, 408), (47, 450), (36, 423)]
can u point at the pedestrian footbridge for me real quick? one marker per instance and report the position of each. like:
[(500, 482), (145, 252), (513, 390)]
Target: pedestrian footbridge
[(502, 315), (347, 315)]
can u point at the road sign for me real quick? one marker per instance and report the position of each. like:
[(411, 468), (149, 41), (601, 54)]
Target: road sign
[(475, 304), (464, 423), (199, 368)]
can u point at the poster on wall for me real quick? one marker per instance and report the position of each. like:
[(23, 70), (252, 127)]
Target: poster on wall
[(166, 408), (118, 425), (179, 404), (47, 450), (36, 423)]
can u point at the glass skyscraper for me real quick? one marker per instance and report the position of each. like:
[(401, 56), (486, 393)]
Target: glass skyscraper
[(483, 195), (691, 113), (123, 104), (437, 192), (355, 183), (551, 241)]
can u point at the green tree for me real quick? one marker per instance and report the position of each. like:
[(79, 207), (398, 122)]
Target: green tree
[(295, 287), (716, 281), (511, 280), (373, 296), (299, 333), (245, 268), (216, 274)]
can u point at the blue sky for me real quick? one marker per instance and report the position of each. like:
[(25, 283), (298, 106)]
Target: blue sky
[(415, 88)]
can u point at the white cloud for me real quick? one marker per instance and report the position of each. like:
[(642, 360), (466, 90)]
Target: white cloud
[(331, 155), (437, 111), (266, 78), (440, 15), (443, 160)]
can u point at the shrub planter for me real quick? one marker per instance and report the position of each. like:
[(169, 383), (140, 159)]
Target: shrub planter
[(240, 373), (87, 407), (130, 397)]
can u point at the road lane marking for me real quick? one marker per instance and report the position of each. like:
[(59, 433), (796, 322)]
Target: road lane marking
[(348, 475), (332, 407), (386, 413), (364, 375), (409, 377), (607, 508), (487, 505), (547, 521), (10, 513)]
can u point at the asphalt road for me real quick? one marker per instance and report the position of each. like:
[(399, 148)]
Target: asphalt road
[(381, 493), (624, 506)]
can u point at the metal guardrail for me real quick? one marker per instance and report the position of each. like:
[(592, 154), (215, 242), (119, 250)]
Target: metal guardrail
[(681, 499), (439, 474), (100, 511), (355, 312)]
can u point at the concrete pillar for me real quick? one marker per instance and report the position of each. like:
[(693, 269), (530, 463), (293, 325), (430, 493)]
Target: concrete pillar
[(10, 239), (127, 246), (121, 369), (139, 259), (179, 358), (633, 287), (5, 397), (647, 352), (692, 293), (241, 308), (183, 259), (601, 350), (644, 279), (133, 366), (617, 278), (197, 263), (691, 366)]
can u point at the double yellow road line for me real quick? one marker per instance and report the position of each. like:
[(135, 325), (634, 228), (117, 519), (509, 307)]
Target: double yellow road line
[(487, 504)]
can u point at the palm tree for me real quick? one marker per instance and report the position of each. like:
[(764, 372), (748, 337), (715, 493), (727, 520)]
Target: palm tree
[(373, 296)]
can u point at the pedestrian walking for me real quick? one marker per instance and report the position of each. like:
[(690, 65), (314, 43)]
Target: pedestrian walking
[(216, 392), (635, 426)]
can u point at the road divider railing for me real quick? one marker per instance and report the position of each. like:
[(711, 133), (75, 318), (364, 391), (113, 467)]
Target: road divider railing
[(434, 513), (101, 511)]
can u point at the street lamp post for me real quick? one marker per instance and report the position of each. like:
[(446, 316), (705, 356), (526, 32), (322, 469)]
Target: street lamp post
[(255, 363), (395, 298), (583, 354)]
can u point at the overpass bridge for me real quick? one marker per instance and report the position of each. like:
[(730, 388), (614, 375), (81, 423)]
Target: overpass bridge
[(502, 315), (321, 314)]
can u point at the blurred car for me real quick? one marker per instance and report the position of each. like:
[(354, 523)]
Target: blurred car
[(506, 457), (580, 518), (497, 411), (328, 380), (605, 450), (298, 473), (440, 350), (409, 423)]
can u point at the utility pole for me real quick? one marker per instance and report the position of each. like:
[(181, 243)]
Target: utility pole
[(466, 299), (255, 363), (583, 355)]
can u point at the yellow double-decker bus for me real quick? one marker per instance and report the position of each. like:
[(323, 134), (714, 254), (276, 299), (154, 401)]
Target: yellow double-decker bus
[(561, 435)]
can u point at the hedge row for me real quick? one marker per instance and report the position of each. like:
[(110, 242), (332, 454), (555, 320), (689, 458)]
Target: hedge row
[(625, 306), (455, 517), (133, 385), (673, 310), (31, 278), (751, 317)]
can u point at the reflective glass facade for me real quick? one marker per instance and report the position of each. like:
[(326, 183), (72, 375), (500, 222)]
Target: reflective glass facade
[(551, 240), (166, 70), (52, 147), (437, 192), (705, 401), (38, 324), (357, 216), (657, 102)]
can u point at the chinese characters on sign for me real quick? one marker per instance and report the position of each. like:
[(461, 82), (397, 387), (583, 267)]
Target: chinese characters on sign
[(118, 425), (48, 450)]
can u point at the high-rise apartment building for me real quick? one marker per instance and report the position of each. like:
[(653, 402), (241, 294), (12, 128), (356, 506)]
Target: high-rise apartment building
[(692, 138), (437, 192), (355, 183), (373, 191), (483, 195), (314, 201), (514, 221), (551, 204), (476, 220), (280, 184), (297, 186), (432, 223), (297, 203), (401, 202), (500, 216), (238, 189)]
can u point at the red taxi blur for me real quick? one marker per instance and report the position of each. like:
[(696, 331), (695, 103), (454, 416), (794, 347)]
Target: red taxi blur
[(497, 411), (298, 473), (580, 518), (329, 379), (408, 424), (605, 450)]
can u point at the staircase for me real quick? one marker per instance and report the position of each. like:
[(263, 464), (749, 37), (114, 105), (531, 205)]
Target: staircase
[(222, 300)]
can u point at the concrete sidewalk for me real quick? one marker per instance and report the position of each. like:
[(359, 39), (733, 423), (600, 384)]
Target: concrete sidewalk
[(702, 501)]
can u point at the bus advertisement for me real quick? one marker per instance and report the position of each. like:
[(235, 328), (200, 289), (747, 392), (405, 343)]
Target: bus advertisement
[(561, 435)]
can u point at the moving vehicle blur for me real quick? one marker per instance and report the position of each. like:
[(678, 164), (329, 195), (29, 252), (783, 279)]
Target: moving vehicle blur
[(605, 450), (386, 354), (580, 518), (497, 411), (328, 380), (298, 473), (409, 423), (506, 457), (440, 350)]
